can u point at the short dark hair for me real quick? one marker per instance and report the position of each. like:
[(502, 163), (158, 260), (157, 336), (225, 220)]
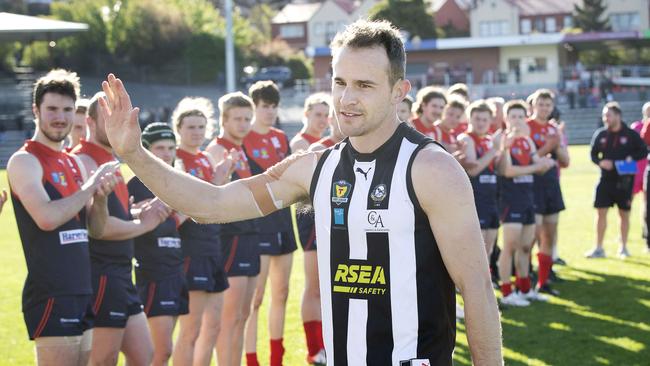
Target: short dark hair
[(480, 105), (459, 89), (425, 94), (265, 91), (614, 106), (542, 94), (456, 103), (367, 34), (57, 81), (515, 104)]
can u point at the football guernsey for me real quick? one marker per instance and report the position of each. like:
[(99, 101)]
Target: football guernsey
[(429, 131), (484, 185), (386, 295), (57, 260), (109, 252)]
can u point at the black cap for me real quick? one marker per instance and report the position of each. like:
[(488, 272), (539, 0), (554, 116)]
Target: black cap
[(157, 131)]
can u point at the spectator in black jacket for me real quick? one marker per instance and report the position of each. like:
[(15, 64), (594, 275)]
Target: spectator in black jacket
[(615, 148)]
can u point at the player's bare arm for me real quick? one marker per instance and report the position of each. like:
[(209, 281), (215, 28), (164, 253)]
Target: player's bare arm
[(25, 177), (232, 202), (448, 202), (472, 165)]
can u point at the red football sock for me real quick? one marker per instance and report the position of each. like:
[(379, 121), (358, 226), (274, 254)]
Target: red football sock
[(544, 264), (523, 284), (506, 289), (277, 352), (314, 336), (251, 359)]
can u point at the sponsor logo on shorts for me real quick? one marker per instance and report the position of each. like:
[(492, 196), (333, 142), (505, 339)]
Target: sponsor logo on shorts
[(265, 244), (69, 320), (168, 303), (360, 279), (200, 279), (73, 236), (169, 242), (244, 265), (115, 314), (339, 216), (340, 192)]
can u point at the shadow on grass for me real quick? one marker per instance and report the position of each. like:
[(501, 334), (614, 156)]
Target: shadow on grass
[(598, 319)]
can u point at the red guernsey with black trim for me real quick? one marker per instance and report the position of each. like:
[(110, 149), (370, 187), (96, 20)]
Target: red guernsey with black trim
[(57, 260)]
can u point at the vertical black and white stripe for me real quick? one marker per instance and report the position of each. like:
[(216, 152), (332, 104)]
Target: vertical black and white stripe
[(386, 295)]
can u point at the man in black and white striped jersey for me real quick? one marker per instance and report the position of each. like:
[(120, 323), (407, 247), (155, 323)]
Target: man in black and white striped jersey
[(395, 215)]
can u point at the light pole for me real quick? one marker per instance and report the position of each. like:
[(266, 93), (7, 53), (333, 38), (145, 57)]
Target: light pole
[(230, 50)]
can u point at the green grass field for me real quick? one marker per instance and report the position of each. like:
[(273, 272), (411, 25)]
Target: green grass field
[(602, 317)]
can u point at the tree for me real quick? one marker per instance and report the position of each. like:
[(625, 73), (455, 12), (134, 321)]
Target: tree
[(410, 15), (591, 16)]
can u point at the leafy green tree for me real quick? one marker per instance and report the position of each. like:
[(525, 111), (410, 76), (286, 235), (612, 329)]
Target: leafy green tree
[(413, 16), (590, 17)]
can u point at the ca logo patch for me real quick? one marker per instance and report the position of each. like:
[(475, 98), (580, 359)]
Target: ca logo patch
[(341, 191)]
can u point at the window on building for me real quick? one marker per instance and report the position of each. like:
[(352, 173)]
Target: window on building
[(551, 27), (538, 64), (330, 31), (292, 31), (494, 28), (624, 21), (526, 26), (568, 21), (318, 29), (539, 25)]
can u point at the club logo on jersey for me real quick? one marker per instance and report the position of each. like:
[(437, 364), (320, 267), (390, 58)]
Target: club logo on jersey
[(196, 173), (59, 178), (360, 279), (341, 191), (378, 194), (339, 216), (265, 153)]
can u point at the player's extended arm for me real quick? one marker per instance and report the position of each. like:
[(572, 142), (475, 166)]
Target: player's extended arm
[(25, 174), (3, 199), (448, 202), (236, 201)]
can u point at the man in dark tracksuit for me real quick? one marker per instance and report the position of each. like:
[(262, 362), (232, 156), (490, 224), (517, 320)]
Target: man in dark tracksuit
[(611, 147)]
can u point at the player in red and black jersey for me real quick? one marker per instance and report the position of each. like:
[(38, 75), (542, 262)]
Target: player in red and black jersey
[(548, 196), (451, 116), (265, 146), (518, 164), (315, 122), (429, 104), (204, 260), (79, 129), (334, 137), (159, 273), (240, 240), (317, 108), (482, 153), (56, 212), (120, 324)]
